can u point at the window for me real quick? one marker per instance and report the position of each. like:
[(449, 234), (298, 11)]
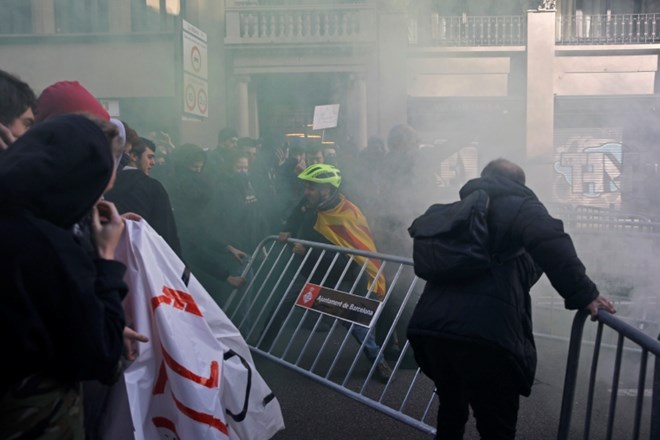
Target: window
[(81, 16), (15, 17)]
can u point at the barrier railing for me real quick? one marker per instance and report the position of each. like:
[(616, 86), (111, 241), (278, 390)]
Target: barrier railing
[(318, 314), (465, 30), (596, 219), (644, 346), (608, 29), (300, 24)]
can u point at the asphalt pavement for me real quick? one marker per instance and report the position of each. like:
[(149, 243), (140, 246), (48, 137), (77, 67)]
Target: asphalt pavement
[(313, 411)]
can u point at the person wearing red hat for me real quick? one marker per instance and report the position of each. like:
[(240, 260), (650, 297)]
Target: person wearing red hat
[(68, 97)]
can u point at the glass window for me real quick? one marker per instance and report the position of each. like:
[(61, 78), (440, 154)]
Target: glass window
[(15, 17), (81, 16)]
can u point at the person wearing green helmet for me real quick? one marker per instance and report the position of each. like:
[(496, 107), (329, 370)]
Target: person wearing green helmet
[(324, 215)]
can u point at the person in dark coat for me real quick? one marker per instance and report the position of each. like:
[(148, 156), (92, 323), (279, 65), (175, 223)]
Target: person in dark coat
[(473, 338), (62, 317), (135, 191), (191, 194), (239, 209)]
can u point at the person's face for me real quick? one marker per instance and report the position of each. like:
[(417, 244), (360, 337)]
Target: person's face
[(241, 165), (313, 159), (251, 152), (330, 155), (230, 144), (20, 125), (315, 194), (196, 167), (146, 161)]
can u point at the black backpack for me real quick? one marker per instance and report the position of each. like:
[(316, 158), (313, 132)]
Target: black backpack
[(451, 241)]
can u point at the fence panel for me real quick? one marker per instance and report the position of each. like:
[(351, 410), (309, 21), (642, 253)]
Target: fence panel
[(623, 419), (316, 315)]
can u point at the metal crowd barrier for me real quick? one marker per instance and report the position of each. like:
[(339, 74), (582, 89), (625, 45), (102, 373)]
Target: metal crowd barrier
[(303, 312), (628, 422)]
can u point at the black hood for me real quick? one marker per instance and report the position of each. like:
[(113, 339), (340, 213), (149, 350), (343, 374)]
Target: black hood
[(496, 187), (57, 170)]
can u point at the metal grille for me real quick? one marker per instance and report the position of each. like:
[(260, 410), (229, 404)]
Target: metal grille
[(322, 346)]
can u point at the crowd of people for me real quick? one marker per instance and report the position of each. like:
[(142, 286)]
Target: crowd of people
[(212, 205), (68, 184)]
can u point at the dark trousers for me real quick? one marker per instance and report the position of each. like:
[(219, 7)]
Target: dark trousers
[(470, 375)]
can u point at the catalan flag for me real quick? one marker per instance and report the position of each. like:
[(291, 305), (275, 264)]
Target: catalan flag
[(346, 226)]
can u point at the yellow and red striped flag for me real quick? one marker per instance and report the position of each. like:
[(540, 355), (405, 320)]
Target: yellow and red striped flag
[(346, 226)]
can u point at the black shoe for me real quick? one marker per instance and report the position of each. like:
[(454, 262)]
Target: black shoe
[(392, 352), (383, 372)]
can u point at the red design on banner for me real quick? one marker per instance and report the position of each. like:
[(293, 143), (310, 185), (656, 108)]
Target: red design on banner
[(177, 299), (206, 419), (165, 423), (209, 382), (159, 386), (308, 295)]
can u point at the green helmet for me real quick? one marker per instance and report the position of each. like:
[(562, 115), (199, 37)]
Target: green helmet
[(322, 173)]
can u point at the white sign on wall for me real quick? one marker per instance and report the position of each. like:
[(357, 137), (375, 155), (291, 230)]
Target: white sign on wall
[(111, 106), (195, 96), (195, 71), (325, 116), (195, 56)]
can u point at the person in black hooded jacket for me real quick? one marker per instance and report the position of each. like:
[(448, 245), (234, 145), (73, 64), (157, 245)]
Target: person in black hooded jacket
[(62, 319), (473, 338)]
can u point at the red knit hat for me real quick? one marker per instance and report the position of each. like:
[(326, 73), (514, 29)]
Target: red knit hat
[(67, 97)]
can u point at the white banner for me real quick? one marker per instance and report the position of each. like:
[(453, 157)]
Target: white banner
[(195, 378)]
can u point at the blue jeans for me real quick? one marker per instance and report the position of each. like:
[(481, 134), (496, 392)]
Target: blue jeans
[(371, 348)]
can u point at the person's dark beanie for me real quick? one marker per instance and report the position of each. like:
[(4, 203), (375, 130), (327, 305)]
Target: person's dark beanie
[(67, 97)]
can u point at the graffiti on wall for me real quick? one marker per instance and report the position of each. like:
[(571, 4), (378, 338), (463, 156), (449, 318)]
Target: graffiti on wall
[(588, 167)]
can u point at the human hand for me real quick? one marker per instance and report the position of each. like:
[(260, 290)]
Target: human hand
[(301, 165), (235, 281), (299, 249), (284, 236), (130, 347), (6, 138), (131, 216), (107, 227), (281, 154), (237, 253), (167, 139), (600, 303)]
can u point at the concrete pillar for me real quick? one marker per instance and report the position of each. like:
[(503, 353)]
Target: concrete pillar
[(254, 113), (361, 126), (43, 16), (243, 98), (119, 16), (540, 96)]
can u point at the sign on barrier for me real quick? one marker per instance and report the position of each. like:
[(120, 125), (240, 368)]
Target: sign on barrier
[(342, 305)]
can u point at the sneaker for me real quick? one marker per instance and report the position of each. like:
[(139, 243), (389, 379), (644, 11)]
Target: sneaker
[(383, 372)]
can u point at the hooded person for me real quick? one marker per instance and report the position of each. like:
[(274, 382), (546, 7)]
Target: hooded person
[(62, 315)]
